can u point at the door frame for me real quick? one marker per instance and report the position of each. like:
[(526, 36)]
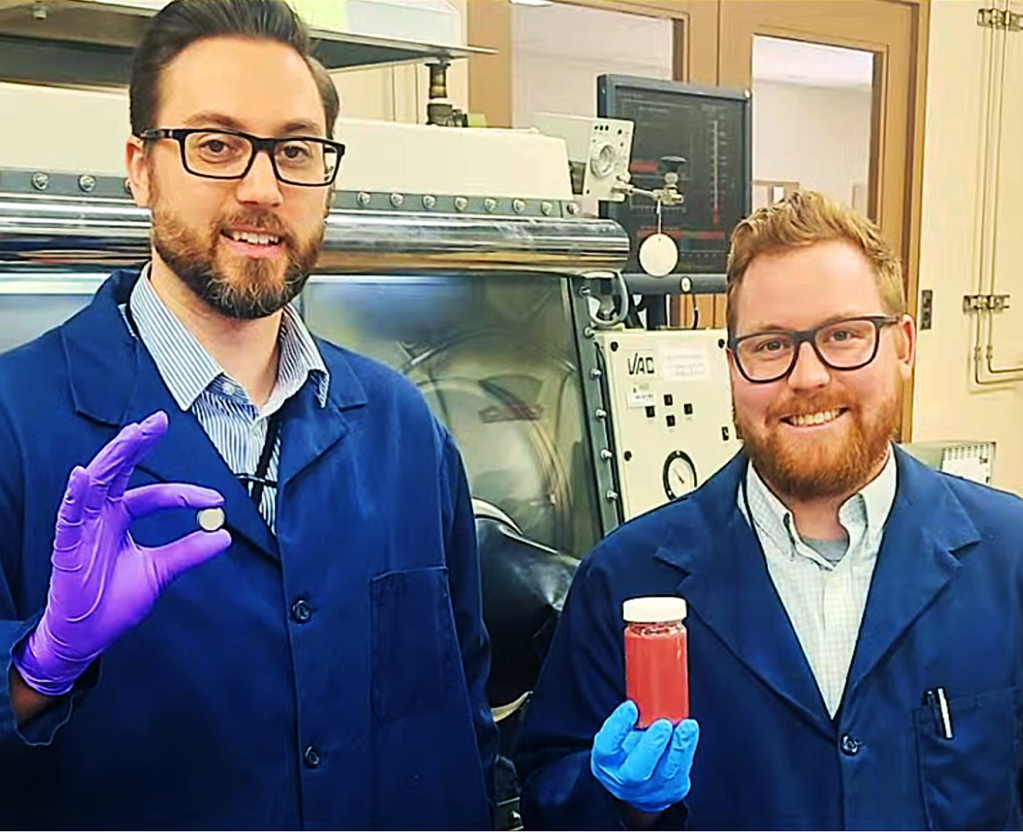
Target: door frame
[(910, 143), (697, 50), (489, 24)]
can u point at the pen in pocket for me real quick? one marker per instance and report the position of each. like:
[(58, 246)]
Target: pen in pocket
[(938, 701)]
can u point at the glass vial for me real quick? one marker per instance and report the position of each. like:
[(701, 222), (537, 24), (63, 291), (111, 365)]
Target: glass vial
[(656, 662)]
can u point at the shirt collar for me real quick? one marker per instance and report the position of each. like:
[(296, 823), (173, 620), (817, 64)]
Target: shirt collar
[(188, 369), (772, 518)]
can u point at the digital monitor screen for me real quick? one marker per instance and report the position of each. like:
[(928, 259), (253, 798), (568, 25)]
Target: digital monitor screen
[(703, 134)]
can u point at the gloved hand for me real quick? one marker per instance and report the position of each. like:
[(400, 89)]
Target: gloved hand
[(102, 582), (648, 770)]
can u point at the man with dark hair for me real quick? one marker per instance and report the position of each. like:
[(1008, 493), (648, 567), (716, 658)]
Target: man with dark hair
[(320, 660), (854, 618)]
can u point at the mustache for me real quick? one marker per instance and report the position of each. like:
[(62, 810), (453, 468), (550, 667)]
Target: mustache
[(258, 221), (806, 406)]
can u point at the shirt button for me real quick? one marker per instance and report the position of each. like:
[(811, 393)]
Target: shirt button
[(850, 745), (312, 757), (300, 611)]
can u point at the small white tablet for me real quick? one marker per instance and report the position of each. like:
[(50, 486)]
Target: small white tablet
[(210, 519)]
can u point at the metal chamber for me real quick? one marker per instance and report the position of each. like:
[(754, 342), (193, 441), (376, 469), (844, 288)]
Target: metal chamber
[(477, 310), (110, 233)]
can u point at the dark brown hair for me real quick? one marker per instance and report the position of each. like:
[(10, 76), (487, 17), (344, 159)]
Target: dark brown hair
[(183, 22)]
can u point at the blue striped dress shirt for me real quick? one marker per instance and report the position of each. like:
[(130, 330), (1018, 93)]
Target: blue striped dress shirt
[(200, 385)]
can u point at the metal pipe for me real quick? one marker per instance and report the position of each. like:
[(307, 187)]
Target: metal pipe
[(677, 284), (50, 232), (994, 106)]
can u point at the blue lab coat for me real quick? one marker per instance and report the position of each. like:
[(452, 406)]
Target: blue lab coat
[(330, 677), (945, 609)]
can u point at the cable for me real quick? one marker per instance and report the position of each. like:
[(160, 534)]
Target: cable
[(622, 295)]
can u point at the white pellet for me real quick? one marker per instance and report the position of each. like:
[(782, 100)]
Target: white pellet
[(210, 519)]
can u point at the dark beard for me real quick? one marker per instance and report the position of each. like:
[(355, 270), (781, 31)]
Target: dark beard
[(823, 470), (258, 294)]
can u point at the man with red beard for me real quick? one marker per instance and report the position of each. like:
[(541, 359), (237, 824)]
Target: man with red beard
[(854, 618), (318, 662)]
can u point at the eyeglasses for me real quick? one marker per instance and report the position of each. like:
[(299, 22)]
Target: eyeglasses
[(229, 154), (846, 344)]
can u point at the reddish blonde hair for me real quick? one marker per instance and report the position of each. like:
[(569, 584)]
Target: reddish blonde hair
[(803, 219)]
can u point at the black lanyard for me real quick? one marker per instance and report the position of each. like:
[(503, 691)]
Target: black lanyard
[(258, 481)]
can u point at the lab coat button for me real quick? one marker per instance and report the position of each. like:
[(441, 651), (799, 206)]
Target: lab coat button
[(850, 745), (300, 611), (312, 757)]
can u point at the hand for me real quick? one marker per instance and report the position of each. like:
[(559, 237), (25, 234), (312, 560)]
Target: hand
[(648, 770), (102, 582)]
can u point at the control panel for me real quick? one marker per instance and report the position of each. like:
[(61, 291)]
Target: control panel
[(671, 411), (700, 135)]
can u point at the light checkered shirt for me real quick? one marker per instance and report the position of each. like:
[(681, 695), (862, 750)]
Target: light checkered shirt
[(198, 384), (824, 601)]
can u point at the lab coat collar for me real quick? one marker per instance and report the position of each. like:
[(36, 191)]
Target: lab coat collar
[(728, 587), (114, 381), (927, 531), (726, 582)]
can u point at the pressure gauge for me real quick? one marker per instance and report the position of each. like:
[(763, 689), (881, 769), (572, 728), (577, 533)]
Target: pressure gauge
[(679, 475), (603, 160)]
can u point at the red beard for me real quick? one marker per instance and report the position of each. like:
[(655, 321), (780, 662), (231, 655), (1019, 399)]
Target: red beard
[(807, 469)]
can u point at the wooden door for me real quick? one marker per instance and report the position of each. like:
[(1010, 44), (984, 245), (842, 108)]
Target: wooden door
[(894, 32)]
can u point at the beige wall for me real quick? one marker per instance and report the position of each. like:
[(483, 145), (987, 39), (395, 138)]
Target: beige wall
[(558, 51), (818, 137), (399, 93), (56, 129), (948, 405)]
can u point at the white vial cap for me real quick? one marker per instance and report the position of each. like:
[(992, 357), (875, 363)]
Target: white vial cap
[(210, 519), (653, 609)]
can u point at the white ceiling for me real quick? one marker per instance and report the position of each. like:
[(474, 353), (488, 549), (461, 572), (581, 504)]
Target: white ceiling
[(811, 64)]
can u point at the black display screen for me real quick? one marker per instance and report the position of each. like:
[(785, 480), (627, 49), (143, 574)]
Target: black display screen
[(709, 129)]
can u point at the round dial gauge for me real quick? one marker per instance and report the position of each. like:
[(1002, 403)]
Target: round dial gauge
[(679, 474), (603, 160)]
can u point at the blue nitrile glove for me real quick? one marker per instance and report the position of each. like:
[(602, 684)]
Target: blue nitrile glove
[(648, 770)]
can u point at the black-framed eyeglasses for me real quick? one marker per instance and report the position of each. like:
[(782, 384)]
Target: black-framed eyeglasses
[(845, 344), (228, 154)]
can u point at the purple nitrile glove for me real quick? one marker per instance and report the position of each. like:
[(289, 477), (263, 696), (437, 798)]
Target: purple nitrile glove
[(103, 582)]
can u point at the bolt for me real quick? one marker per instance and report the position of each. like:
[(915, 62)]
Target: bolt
[(612, 496), (490, 204), (363, 199), (39, 12), (600, 413), (127, 186), (546, 208), (397, 200), (40, 181), (429, 201), (572, 208), (585, 290), (518, 205), (589, 332), (596, 373), (87, 183), (605, 454), (687, 284), (461, 203)]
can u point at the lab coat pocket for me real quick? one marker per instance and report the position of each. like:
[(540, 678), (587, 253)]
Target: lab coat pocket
[(413, 641), (969, 781)]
